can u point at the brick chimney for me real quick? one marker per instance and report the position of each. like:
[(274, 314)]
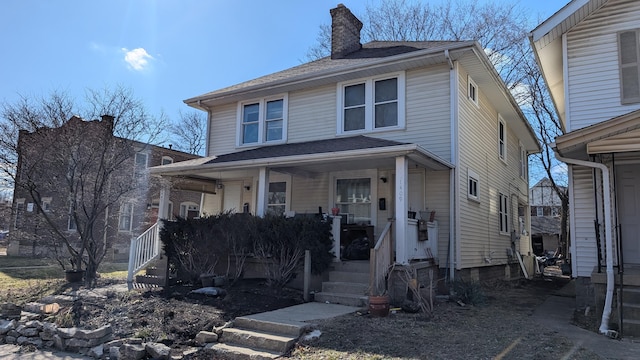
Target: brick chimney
[(345, 32), (108, 120)]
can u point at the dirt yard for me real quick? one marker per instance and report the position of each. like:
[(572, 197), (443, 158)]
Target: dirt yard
[(500, 329)]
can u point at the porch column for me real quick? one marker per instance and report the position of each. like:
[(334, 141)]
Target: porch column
[(263, 192), (163, 206), (402, 208)]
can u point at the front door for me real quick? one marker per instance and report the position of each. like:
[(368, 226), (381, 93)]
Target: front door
[(628, 188)]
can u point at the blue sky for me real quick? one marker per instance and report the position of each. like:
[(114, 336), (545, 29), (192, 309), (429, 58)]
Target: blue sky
[(165, 51)]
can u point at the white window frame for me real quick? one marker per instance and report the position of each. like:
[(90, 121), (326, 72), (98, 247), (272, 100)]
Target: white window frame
[(473, 191), (166, 160), (187, 206), (123, 212), (262, 120), (539, 211), (503, 213), (524, 161), (46, 204), (502, 139), (473, 92), (369, 105), (629, 100)]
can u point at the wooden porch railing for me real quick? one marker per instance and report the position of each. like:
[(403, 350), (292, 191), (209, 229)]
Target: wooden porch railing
[(144, 249), (380, 260)]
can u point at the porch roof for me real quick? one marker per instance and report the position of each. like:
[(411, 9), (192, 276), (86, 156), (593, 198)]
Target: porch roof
[(311, 156), (619, 134)]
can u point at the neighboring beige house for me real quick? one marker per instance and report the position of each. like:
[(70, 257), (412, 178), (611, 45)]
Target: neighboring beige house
[(589, 55), (382, 132)]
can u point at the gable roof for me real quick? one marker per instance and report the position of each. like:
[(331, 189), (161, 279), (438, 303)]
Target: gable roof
[(546, 41)]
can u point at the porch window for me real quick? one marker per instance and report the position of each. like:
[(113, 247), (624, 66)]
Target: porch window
[(629, 59), (125, 218), (502, 139), (353, 198), (262, 121), (503, 213), (277, 198), (371, 104)]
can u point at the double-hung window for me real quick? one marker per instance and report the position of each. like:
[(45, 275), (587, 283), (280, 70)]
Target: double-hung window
[(371, 104), (125, 218), (629, 57), (503, 212), (502, 139), (262, 121)]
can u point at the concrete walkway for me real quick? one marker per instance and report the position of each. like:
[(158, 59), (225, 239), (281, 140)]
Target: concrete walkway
[(300, 314), (555, 314)]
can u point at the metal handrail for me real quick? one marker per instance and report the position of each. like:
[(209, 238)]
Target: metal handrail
[(380, 261), (143, 250)]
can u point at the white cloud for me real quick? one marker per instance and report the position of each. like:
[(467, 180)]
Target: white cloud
[(137, 59)]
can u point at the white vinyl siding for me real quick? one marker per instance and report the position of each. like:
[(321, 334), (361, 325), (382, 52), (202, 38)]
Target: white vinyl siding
[(479, 228), (582, 215), (223, 130), (312, 114), (594, 83), (437, 199)]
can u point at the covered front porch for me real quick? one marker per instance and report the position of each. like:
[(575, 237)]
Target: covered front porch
[(366, 182)]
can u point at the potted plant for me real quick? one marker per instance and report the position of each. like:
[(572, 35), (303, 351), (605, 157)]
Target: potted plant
[(73, 274), (379, 300)]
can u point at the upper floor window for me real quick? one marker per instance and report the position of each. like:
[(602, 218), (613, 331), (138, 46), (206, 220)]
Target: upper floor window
[(46, 204), (503, 212), (523, 162), (125, 216), (19, 213), (140, 165), (472, 91), (262, 121), (166, 160), (371, 104), (539, 211), (502, 139), (629, 57), (472, 180)]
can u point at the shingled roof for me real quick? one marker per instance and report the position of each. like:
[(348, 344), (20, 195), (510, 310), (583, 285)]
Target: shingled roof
[(311, 147)]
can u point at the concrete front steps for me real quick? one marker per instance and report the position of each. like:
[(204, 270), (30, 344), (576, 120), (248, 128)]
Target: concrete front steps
[(256, 339), (348, 284), (154, 275), (631, 311)]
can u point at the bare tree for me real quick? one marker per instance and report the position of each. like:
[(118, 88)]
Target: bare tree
[(79, 161), (189, 133)]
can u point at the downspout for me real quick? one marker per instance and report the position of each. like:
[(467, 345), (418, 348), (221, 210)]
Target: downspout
[(453, 179), (606, 312)]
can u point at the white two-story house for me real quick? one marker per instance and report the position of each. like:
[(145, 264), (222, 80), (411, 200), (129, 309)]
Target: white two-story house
[(589, 53), (382, 132)]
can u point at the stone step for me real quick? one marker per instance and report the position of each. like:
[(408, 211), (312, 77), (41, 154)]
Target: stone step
[(258, 339), (630, 311), (361, 266), (631, 295), (228, 351), (345, 287), (156, 271), (343, 299), (630, 328), (283, 327), (346, 276)]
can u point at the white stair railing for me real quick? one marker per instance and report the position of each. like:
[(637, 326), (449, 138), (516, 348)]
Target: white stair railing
[(380, 261), (143, 250)]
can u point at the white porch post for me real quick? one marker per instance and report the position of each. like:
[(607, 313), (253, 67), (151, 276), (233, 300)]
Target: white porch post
[(163, 206), (263, 191), (402, 208)]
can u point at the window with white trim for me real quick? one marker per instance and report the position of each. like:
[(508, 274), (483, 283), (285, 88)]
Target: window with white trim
[(189, 210), (262, 121), (166, 160), (277, 198), (502, 139), (140, 165), (125, 217), (472, 91), (503, 212), (46, 204), (629, 62), (473, 181), (539, 211), (523, 162), (371, 104), (353, 198)]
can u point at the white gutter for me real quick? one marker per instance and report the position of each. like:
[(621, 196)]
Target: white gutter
[(606, 312)]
